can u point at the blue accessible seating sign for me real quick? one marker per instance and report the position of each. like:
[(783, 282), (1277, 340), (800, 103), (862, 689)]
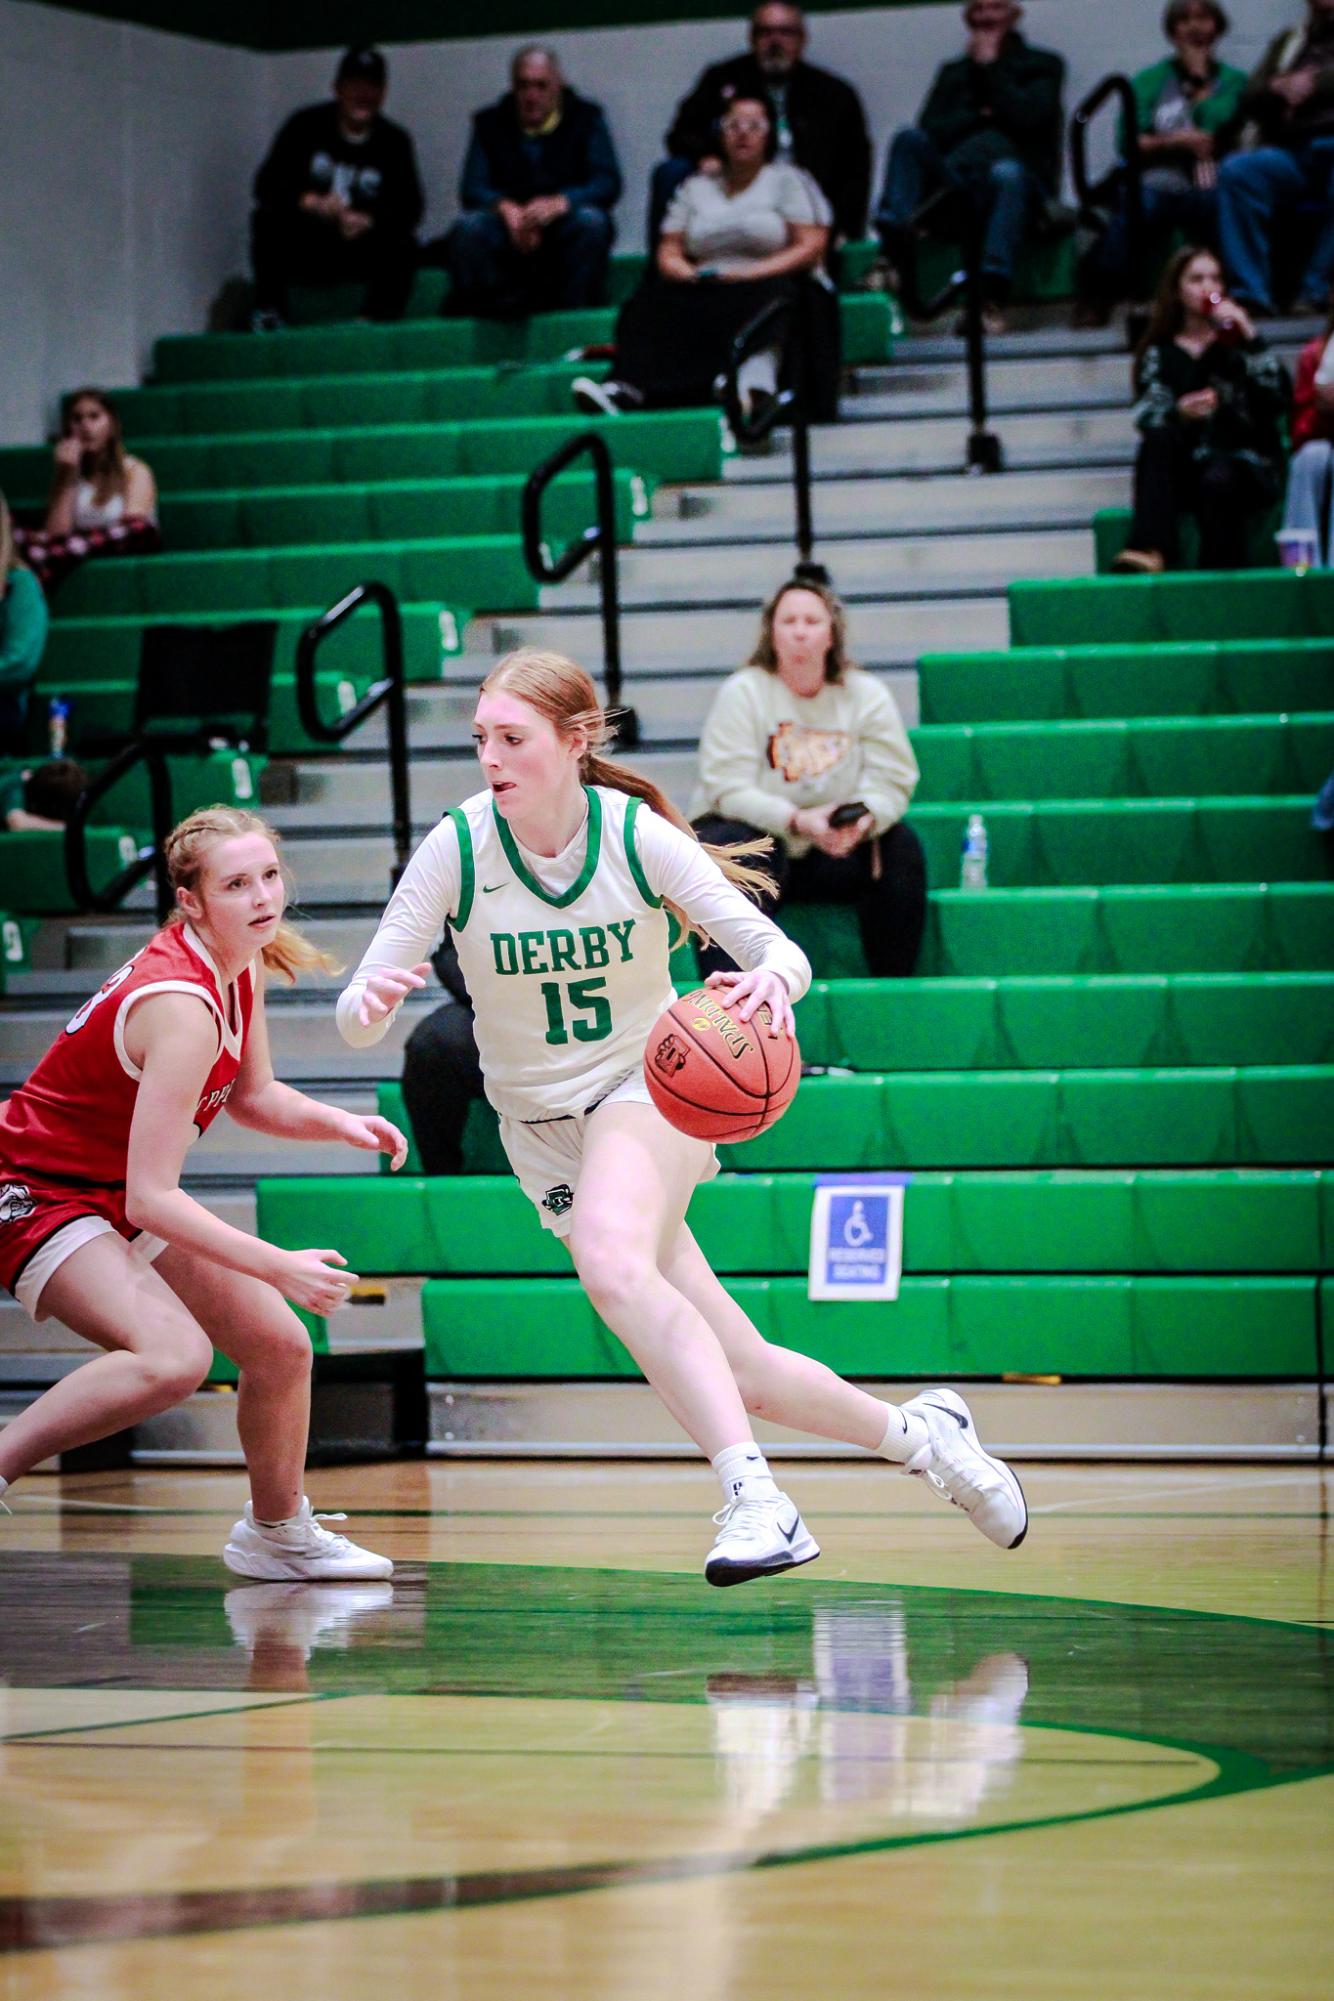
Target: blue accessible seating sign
[(857, 1236)]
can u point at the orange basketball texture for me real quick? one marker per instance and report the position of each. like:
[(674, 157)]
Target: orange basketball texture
[(715, 1077)]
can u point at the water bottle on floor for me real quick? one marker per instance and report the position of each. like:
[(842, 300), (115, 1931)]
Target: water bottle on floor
[(973, 865)]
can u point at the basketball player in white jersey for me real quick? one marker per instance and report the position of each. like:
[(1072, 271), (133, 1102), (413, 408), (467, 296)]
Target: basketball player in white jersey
[(556, 880)]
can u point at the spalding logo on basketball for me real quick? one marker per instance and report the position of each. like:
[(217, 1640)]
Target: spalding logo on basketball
[(715, 1077)]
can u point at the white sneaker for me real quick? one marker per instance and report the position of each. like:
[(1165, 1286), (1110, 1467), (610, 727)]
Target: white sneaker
[(758, 1538), (954, 1464), (607, 399), (304, 1551), (301, 1615)]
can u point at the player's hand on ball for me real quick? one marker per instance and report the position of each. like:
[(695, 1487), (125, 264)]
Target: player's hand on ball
[(386, 990), (308, 1279), (377, 1135), (745, 992)]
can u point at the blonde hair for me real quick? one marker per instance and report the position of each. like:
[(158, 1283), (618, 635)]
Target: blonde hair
[(564, 694), (836, 661), (187, 848)]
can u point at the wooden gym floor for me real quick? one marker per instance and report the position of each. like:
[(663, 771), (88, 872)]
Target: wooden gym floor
[(549, 1761)]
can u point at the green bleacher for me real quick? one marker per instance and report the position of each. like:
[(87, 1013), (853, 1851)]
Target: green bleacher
[(1112, 1080)]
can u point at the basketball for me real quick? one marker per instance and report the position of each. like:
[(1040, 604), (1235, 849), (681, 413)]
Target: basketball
[(715, 1077)]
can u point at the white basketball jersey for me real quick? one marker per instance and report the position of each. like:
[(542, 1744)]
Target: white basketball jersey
[(565, 987)]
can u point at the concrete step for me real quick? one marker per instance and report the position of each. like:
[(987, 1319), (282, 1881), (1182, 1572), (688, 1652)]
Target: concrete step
[(1022, 382), (938, 444), (695, 641), (919, 504), (77, 950), (343, 794), (1033, 338), (306, 1046), (908, 564)]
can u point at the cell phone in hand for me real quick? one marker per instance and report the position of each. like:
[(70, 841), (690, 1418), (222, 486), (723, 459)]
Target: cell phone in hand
[(845, 816)]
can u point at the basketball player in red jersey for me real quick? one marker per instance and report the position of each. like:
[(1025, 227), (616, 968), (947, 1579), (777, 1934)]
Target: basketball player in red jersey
[(96, 1229)]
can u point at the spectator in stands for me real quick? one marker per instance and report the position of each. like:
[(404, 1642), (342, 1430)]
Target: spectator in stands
[(1289, 102), (442, 1072), (1186, 108), (805, 746), (23, 626), (990, 135), (1310, 502), (1212, 399), (818, 121), (103, 500), (39, 799), (338, 200), (539, 183), (732, 241)]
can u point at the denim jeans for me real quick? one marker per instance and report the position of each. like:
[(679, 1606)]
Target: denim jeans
[(1252, 188), (1310, 502), (567, 270), (1194, 211), (1004, 194)]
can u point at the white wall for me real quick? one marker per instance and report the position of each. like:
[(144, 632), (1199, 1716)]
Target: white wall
[(124, 183), (124, 159), (638, 74)]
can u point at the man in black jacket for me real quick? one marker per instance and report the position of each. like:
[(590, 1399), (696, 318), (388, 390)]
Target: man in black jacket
[(818, 120), (990, 132), (539, 183), (338, 200)]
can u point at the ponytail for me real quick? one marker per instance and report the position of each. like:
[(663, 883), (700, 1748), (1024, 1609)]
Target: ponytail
[(560, 690), (733, 858)]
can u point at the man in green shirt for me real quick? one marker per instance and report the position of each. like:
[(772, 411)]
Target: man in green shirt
[(1186, 113)]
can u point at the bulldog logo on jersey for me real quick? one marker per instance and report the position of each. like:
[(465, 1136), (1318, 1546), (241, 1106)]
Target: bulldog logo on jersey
[(669, 1056), (559, 1199), (800, 752), (15, 1201)]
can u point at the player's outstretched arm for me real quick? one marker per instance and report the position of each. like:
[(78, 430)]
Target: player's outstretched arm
[(173, 1040), (260, 1101)]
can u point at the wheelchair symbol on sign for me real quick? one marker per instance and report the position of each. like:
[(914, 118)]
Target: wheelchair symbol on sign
[(857, 1231)]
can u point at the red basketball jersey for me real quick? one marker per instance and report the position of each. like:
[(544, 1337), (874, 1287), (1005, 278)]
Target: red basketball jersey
[(71, 1120)]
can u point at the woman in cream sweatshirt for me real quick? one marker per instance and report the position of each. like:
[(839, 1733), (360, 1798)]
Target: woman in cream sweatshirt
[(793, 740)]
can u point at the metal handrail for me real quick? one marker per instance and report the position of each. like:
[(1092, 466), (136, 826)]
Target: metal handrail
[(151, 859), (790, 404), (1090, 192), (387, 691), (598, 539), (985, 453)]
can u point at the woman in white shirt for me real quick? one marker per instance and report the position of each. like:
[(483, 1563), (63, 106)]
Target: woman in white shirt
[(103, 500), (795, 741), (733, 240)]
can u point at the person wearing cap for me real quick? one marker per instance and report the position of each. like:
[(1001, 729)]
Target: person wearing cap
[(338, 200), (539, 183)]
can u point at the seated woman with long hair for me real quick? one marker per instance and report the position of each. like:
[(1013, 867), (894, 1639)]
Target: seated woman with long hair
[(103, 501), (803, 745), (1212, 398), (753, 232)]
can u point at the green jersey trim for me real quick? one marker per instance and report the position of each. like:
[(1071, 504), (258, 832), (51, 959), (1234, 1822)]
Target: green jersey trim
[(467, 867), (632, 855), (586, 873)]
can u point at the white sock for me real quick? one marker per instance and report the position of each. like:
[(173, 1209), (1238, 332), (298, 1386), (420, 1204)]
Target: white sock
[(904, 1433), (744, 1467), (4, 1489), (284, 1527)]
